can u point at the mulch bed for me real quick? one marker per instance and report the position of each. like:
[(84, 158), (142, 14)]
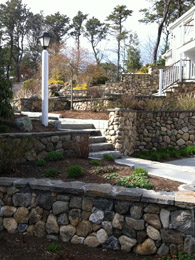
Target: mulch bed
[(90, 173)]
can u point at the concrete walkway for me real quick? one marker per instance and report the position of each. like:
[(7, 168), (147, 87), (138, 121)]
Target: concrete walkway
[(179, 170)]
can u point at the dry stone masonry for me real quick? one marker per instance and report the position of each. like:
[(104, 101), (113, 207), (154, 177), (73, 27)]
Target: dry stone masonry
[(115, 218), (131, 131), (35, 146)]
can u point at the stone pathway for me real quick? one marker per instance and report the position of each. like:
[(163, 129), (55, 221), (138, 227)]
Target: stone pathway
[(179, 170)]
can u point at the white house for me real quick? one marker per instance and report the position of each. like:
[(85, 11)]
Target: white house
[(182, 38), (180, 58)]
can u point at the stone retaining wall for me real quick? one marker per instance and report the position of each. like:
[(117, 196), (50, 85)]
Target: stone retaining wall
[(131, 131), (35, 104), (106, 216), (35, 146), (183, 89), (136, 84)]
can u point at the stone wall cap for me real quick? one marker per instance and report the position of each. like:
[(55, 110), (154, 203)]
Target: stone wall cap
[(5, 181), (98, 190), (151, 196), (44, 134), (132, 194)]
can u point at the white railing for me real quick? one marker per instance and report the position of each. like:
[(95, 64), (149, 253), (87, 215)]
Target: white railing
[(179, 71)]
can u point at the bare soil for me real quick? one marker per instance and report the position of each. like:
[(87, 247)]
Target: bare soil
[(23, 247)]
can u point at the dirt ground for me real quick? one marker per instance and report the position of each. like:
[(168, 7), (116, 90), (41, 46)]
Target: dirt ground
[(23, 247), (91, 173)]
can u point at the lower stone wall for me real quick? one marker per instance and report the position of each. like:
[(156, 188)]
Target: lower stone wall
[(35, 104), (35, 146), (131, 131), (106, 216)]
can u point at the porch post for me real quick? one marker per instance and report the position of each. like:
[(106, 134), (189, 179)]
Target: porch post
[(160, 82), (180, 71)]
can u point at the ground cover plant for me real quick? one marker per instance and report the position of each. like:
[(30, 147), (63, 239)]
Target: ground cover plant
[(166, 153)]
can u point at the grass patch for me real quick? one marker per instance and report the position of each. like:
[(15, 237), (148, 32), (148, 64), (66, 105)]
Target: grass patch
[(74, 171), (139, 179), (166, 153), (108, 157), (54, 248), (95, 162), (105, 169), (4, 128), (40, 163), (54, 156), (51, 172)]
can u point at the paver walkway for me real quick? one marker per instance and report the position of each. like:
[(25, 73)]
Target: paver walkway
[(180, 170)]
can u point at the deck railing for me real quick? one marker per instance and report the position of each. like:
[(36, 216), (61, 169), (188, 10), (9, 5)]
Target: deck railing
[(179, 71)]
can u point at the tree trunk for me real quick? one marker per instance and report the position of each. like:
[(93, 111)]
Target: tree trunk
[(160, 28)]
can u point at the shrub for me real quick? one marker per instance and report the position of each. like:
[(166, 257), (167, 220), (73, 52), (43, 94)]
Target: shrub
[(54, 247), (4, 128), (106, 169), (74, 171), (51, 172), (186, 103), (81, 146), (95, 162), (108, 157), (5, 97), (111, 176), (40, 163), (54, 156)]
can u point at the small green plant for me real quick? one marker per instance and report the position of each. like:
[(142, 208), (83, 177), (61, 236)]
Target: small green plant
[(4, 128), (51, 172), (40, 163), (105, 169), (54, 248), (108, 157), (95, 162), (139, 179), (74, 171), (111, 176), (54, 156)]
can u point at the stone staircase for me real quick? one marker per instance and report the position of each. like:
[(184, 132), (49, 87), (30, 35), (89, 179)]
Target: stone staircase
[(96, 130)]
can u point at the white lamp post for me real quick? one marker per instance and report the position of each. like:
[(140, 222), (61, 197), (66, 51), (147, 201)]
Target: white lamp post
[(44, 39)]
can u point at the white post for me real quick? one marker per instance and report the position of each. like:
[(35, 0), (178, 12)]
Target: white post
[(45, 87), (160, 81), (180, 71)]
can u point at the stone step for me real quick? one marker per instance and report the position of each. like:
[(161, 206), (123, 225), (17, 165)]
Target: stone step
[(97, 139), (76, 126), (91, 132), (99, 155), (100, 147)]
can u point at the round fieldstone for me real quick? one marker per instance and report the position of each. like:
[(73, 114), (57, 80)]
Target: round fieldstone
[(67, 232), (51, 225), (97, 216), (84, 228), (165, 217), (107, 225), (45, 200), (60, 207), (39, 229), (63, 219), (34, 216), (146, 248), (137, 224), (102, 236), (87, 205), (136, 211), (75, 216), (127, 243), (153, 220), (22, 199), (7, 211), (153, 233), (10, 225), (21, 215), (22, 228), (118, 221), (121, 207), (112, 243), (77, 240), (76, 202), (91, 241)]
